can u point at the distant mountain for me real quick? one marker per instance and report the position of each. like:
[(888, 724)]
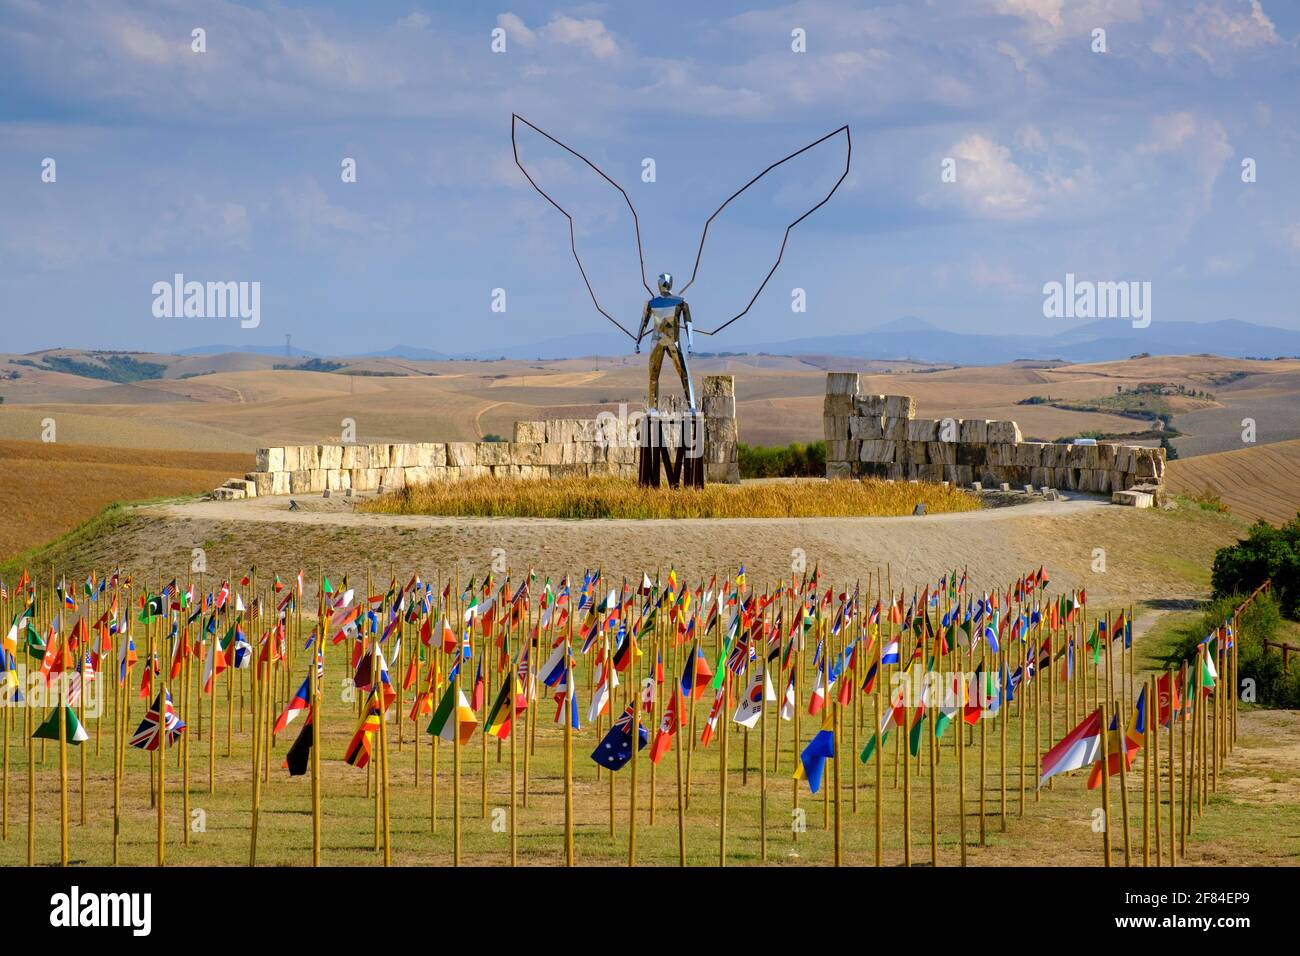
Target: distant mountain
[(277, 350), (1102, 341), (415, 352), (906, 338)]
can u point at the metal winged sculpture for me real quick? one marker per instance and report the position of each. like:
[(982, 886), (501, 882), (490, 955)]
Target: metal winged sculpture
[(667, 316)]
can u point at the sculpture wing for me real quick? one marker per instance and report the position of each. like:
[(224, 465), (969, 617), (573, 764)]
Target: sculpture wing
[(848, 155), (515, 121)]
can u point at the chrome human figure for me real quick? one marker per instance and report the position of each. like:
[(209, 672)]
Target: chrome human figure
[(670, 315)]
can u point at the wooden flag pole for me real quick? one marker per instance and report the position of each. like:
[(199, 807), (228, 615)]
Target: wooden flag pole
[(878, 754), (1146, 779), (314, 693), (723, 720), (1105, 781), (1182, 761), (568, 742), (959, 728), (31, 791), (762, 767), (255, 680)]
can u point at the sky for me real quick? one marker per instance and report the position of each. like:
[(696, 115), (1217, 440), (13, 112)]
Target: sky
[(226, 164)]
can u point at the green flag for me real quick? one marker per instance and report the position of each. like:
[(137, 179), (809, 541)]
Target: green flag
[(73, 729)]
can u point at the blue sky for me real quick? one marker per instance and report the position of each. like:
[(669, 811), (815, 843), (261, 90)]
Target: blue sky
[(225, 165)]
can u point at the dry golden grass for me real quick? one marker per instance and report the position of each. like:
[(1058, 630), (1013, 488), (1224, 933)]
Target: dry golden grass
[(48, 489), (624, 498)]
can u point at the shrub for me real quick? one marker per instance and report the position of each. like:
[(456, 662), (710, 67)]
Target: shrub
[(792, 461), (1259, 623), (1267, 552)]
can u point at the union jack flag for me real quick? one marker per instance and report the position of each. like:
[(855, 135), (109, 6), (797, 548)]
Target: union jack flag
[(146, 736)]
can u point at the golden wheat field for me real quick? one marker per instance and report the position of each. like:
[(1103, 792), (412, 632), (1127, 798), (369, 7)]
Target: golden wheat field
[(46, 489), (624, 498)]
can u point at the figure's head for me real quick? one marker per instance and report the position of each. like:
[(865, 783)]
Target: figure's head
[(665, 283)]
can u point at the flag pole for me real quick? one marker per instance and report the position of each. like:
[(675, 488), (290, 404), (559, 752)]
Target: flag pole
[(314, 693), (255, 681), (455, 740), (879, 755), (1105, 779), (568, 739), (1146, 779), (723, 720)]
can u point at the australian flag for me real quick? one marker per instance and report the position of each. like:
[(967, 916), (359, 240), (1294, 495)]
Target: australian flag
[(615, 749)]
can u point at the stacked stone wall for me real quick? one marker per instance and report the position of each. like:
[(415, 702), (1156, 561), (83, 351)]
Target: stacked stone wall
[(880, 436), (559, 447)]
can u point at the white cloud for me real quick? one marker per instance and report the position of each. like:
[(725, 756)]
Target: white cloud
[(585, 33), (1217, 31)]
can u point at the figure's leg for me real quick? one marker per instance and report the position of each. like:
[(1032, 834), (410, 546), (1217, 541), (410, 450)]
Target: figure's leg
[(679, 360), (656, 362)]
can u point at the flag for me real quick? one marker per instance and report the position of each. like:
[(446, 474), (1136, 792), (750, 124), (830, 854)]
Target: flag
[(711, 724), (498, 721), (1131, 741), (812, 759), (600, 687), (294, 707), (442, 724), (49, 730), (750, 708), (358, 752), (296, 760), (1168, 699), (1079, 748), (615, 748), (480, 690), (818, 699), (147, 736), (789, 702), (668, 725)]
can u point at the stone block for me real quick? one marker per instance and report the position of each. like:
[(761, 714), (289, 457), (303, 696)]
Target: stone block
[(492, 453), (974, 430), (355, 456), (306, 481), (922, 430), (461, 454), (431, 454), (835, 427), (405, 455), (530, 431), (379, 455), (392, 478), (338, 479), (551, 453), (842, 383), (941, 453), (279, 482), (837, 450), (896, 429), (1133, 499), (270, 459), (1004, 431), (261, 481), (365, 479), (834, 469), (330, 457), (526, 453), (866, 427), (869, 405), (900, 406), (718, 385), (720, 406)]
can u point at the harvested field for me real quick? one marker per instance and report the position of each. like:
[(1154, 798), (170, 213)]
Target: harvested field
[(1262, 481), (49, 489)]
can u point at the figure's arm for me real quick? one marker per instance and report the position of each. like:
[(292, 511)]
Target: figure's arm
[(686, 320), (645, 320)]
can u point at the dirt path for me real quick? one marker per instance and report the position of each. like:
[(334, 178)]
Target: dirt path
[(995, 546)]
